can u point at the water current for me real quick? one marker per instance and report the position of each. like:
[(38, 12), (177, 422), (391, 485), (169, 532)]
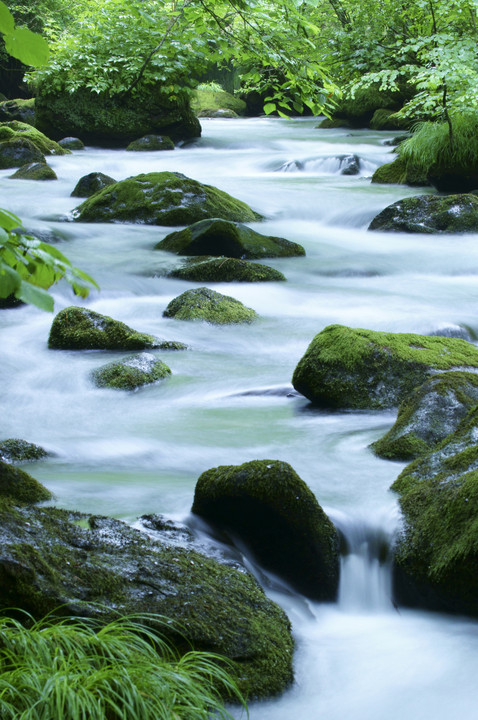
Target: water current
[(229, 399)]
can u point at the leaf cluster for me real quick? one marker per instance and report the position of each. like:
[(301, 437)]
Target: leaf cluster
[(20, 42)]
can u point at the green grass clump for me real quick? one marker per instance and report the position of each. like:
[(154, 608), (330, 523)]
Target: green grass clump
[(80, 670)]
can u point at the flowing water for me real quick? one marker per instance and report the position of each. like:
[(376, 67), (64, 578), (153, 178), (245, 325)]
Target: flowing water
[(229, 399)]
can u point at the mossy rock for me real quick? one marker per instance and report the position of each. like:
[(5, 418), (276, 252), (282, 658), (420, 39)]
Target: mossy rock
[(384, 119), (266, 505), (15, 450), (332, 123), (218, 237), (162, 198), (436, 558), (217, 114), (71, 564), (71, 143), (18, 152), (209, 305), (19, 130), (76, 328), (400, 172), (359, 106), (103, 120), (429, 214), (226, 270), (92, 183), (18, 109), (151, 142), (131, 372), (428, 415), (206, 102), (19, 487), (355, 368), (35, 171)]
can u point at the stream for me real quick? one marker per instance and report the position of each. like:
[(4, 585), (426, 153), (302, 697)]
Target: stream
[(230, 400)]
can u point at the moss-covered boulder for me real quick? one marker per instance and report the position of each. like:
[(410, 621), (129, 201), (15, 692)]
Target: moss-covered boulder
[(384, 119), (35, 171), (103, 120), (71, 143), (266, 505), (92, 183), (428, 415), (226, 270), (15, 450), (429, 214), (436, 558), (18, 109), (347, 367), (209, 305), (19, 487), (151, 142), (15, 130), (230, 239), (131, 372), (76, 328), (206, 102), (73, 564), (358, 105), (162, 198), (18, 152), (400, 172)]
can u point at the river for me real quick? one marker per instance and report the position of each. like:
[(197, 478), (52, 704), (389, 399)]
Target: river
[(228, 400)]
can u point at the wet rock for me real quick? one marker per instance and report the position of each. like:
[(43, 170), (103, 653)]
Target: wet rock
[(19, 487), (266, 505), (18, 109), (230, 239), (400, 172), (226, 270), (216, 103), (131, 372), (209, 305), (15, 450), (76, 328), (349, 164), (428, 415), (15, 130), (429, 214), (151, 142), (362, 369), (71, 143), (162, 198), (35, 171), (92, 183), (18, 152)]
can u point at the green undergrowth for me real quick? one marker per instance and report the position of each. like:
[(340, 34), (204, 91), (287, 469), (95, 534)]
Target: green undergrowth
[(79, 669)]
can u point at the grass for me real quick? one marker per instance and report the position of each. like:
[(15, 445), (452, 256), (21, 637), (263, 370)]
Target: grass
[(81, 670)]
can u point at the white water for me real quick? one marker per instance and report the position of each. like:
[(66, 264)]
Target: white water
[(129, 453)]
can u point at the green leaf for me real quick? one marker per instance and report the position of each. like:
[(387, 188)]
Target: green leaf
[(7, 22), (27, 46), (269, 108), (35, 296), (9, 280), (8, 220)]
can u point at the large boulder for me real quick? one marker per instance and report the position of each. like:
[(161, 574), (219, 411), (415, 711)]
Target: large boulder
[(226, 270), (209, 305), (18, 152), (162, 198), (19, 487), (428, 415), (92, 183), (131, 372), (72, 564), (429, 214), (76, 328), (436, 558), (218, 237), (15, 130), (266, 505), (354, 368), (102, 120), (207, 102)]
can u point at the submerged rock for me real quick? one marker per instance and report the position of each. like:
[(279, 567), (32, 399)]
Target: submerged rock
[(226, 270), (362, 369), (219, 237), (429, 214), (90, 184), (76, 328), (428, 415), (19, 487), (35, 171), (266, 505), (162, 198), (151, 142), (131, 372), (15, 450), (18, 152), (209, 305)]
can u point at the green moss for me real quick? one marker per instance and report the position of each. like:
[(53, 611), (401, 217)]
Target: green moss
[(206, 100), (14, 450), (131, 373), (226, 270), (209, 305), (21, 487), (222, 238), (400, 172), (359, 106), (384, 119), (333, 123), (356, 368), (163, 198), (429, 214), (41, 141), (35, 171)]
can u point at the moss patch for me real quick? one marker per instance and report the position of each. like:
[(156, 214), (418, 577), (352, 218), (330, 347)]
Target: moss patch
[(16, 129), (209, 305), (429, 214), (206, 101), (35, 171), (400, 172), (226, 270), (20, 487), (15, 450), (131, 373)]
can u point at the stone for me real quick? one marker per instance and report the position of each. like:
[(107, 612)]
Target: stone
[(19, 487), (15, 450), (18, 152), (209, 305), (35, 171), (349, 164), (15, 130), (162, 198), (92, 183), (151, 142), (71, 143), (131, 372), (429, 214), (226, 270), (230, 239), (428, 415), (354, 368), (400, 172), (18, 109), (207, 102), (266, 506)]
